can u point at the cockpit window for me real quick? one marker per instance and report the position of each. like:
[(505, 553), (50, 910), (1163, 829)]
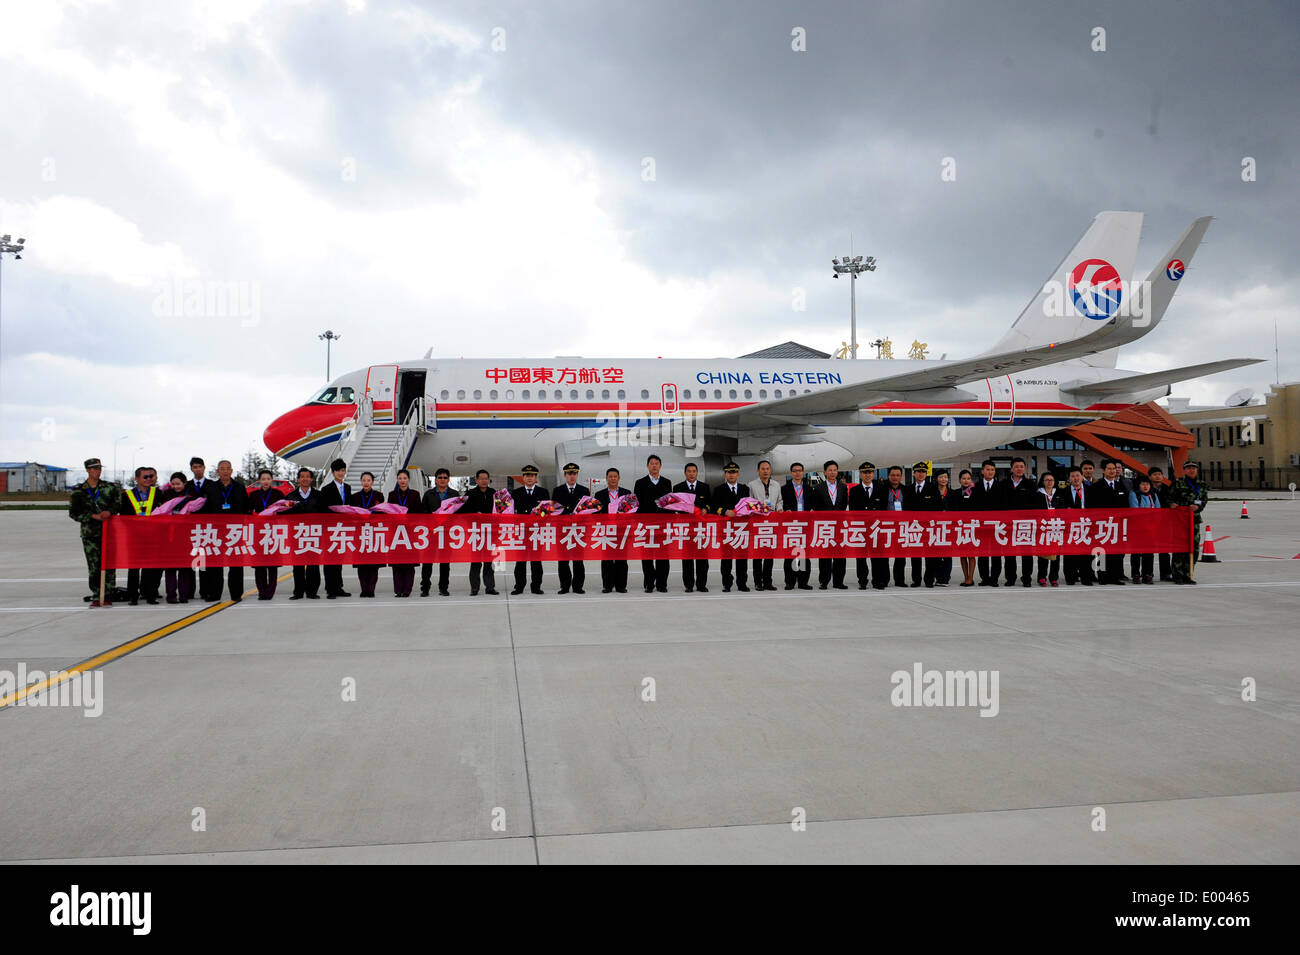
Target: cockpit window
[(335, 396)]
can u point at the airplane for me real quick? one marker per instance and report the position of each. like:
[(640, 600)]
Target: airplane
[(1054, 368)]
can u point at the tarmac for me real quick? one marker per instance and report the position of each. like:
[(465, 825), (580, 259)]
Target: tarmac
[(519, 730)]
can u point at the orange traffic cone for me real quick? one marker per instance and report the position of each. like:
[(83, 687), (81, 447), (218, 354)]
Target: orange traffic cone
[(1207, 548), (1244, 515)]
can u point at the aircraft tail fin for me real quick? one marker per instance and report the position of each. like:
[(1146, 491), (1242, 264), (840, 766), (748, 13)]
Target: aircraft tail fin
[(1085, 290)]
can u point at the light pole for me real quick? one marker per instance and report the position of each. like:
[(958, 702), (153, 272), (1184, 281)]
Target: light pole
[(117, 476), (852, 266), (329, 338), (15, 249)]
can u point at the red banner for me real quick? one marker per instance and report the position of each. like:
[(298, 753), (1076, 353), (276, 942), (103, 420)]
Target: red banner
[(215, 541)]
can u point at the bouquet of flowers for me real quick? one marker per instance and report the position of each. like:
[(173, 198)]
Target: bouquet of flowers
[(278, 507), (502, 502), (681, 501), (587, 505), (450, 506), (387, 508), (627, 504), (348, 509), (549, 507), (752, 505), (193, 506), (166, 507)]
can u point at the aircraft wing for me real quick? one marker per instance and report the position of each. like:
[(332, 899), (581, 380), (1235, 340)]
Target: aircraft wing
[(1135, 383), (931, 381)]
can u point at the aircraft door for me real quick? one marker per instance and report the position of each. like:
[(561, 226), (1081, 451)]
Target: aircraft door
[(381, 388), (1002, 400)]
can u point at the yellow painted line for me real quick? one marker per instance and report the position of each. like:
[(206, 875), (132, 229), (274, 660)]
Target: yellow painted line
[(122, 649)]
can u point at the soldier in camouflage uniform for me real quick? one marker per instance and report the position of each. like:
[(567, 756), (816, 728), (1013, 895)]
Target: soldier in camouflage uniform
[(1188, 491), (93, 502)]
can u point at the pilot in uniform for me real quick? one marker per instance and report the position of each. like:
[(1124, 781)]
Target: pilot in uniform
[(526, 498), (572, 572)]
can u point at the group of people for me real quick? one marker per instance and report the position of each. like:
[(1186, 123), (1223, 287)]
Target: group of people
[(95, 501)]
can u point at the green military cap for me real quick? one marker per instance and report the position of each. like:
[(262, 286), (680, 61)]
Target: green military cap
[(571, 468), (731, 468), (921, 466), (92, 463), (866, 466), (528, 469)]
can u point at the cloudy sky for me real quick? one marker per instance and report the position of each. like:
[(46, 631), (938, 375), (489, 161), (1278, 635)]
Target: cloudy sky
[(474, 177)]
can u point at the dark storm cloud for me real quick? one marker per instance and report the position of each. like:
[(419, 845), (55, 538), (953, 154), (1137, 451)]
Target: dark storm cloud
[(771, 158)]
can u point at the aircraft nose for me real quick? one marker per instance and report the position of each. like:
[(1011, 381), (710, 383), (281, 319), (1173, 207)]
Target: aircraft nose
[(284, 431)]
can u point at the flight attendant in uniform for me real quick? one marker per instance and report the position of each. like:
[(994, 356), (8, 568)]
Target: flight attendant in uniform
[(1051, 497), (613, 573), (944, 494), (573, 574), (367, 497), (723, 501), (794, 497), (526, 498), (962, 500), (433, 499), (180, 580), (404, 496), (333, 492), (479, 500), (831, 495), (262, 497), (226, 496), (862, 497), (648, 490), (695, 573), (306, 500), (140, 501)]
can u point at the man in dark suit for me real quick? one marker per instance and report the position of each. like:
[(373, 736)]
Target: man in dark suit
[(224, 496), (831, 495), (432, 500), (723, 500), (695, 573), (572, 572), (1019, 494), (526, 498), (335, 492), (1078, 567), (989, 495), (649, 489), (479, 500), (795, 496), (921, 495), (306, 500), (613, 573), (862, 497), (1109, 493)]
